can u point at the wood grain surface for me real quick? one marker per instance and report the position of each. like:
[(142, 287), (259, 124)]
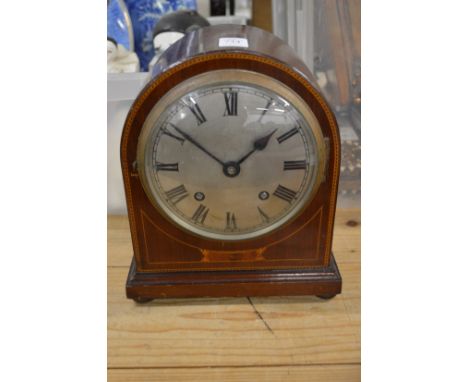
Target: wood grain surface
[(235, 339), (335, 373)]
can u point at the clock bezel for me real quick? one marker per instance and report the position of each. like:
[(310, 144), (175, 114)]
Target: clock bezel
[(241, 77)]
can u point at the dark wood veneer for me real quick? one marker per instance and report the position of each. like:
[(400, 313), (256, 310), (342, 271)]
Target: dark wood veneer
[(324, 282), (170, 262)]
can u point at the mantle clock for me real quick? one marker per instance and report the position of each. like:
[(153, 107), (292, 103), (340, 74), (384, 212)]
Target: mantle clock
[(230, 158)]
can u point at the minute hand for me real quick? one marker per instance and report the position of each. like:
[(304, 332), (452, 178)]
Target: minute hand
[(259, 144), (195, 143)]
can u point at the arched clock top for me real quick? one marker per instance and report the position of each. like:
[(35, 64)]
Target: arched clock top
[(230, 157), (210, 40)]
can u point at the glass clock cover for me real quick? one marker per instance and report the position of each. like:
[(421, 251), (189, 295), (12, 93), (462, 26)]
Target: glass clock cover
[(231, 155)]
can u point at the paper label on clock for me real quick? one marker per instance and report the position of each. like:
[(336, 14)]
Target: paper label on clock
[(237, 42)]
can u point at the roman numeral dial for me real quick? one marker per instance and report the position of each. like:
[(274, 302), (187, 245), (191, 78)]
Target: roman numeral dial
[(294, 165), (176, 194), (196, 111), (287, 135), (167, 132), (230, 98), (167, 166), (230, 160), (285, 193), (200, 214), (265, 110), (230, 221), (265, 218)]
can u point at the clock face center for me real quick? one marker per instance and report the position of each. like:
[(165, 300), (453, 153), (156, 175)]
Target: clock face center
[(231, 169)]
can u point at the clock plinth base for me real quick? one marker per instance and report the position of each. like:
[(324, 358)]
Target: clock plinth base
[(323, 282)]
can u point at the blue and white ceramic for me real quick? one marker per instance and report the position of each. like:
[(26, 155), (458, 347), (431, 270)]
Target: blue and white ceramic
[(119, 24), (145, 14)]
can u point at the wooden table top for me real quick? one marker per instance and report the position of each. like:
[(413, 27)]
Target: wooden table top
[(235, 339)]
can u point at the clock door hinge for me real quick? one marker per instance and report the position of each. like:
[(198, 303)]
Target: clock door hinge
[(134, 171)]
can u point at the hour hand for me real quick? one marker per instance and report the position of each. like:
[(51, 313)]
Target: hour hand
[(195, 143), (259, 144)]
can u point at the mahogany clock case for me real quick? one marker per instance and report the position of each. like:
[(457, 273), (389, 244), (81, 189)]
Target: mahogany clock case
[(295, 259)]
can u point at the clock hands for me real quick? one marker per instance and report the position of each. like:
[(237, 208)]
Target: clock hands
[(232, 168), (196, 144), (259, 144)]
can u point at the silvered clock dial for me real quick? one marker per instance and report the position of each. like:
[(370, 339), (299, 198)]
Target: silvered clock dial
[(231, 155)]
